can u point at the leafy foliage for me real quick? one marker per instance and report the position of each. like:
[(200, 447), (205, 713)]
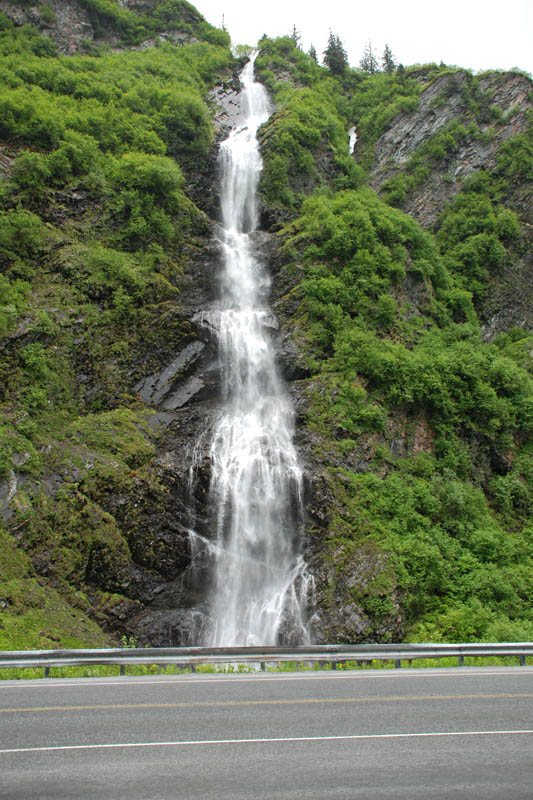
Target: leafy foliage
[(476, 234), (100, 151), (424, 427), (304, 144), (396, 358), (164, 15)]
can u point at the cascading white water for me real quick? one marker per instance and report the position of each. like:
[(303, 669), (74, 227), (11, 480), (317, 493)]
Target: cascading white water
[(259, 584)]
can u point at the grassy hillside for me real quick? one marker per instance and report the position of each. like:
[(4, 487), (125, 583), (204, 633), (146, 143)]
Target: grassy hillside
[(414, 424), (99, 157), (424, 427)]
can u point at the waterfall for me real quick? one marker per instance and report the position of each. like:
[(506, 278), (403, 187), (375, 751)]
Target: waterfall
[(259, 583), (352, 133)]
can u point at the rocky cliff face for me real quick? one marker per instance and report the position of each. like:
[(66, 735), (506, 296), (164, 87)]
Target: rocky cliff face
[(491, 110), (357, 596), (503, 106), (153, 589), (65, 23), (109, 527), (70, 25), (133, 558)]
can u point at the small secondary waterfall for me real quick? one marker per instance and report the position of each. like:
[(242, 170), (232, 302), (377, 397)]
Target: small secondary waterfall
[(352, 133), (259, 581)]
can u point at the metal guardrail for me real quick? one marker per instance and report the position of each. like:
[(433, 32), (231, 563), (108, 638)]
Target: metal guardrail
[(323, 654)]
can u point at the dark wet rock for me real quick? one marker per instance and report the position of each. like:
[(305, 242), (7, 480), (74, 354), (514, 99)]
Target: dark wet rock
[(181, 396), (6, 162), (341, 592), (290, 357), (157, 389), (273, 218), (200, 285), (229, 112), (171, 627), (264, 245), (192, 375), (203, 184)]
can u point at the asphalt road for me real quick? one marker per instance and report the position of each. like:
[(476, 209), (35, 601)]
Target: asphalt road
[(369, 734)]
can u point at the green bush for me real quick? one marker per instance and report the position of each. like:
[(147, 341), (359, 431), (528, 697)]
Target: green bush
[(515, 157), (31, 174), (149, 202), (22, 235), (13, 296), (115, 279)]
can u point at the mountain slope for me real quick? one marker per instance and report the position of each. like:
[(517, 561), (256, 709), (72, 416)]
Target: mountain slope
[(401, 278), (416, 435)]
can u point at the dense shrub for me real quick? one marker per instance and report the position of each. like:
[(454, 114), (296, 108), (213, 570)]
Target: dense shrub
[(475, 234)]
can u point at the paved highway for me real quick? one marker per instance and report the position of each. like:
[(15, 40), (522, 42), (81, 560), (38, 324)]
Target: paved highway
[(369, 734)]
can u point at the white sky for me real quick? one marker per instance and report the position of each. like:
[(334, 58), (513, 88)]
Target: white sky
[(477, 34)]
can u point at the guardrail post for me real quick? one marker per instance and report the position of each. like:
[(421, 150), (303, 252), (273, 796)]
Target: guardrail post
[(461, 661), (263, 666), (122, 669), (522, 661), (333, 665), (47, 672), (193, 667), (398, 663)]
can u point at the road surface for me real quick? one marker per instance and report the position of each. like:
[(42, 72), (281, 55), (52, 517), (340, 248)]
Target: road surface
[(443, 733)]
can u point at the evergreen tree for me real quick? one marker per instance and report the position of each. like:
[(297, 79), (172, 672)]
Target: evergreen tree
[(295, 36), (335, 57), (369, 62), (312, 54), (387, 60)]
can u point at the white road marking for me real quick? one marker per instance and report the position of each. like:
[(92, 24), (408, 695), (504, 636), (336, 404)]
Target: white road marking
[(157, 680), (348, 737)]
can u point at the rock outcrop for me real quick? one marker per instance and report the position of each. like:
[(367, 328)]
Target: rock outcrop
[(69, 25), (492, 109), (448, 99), (65, 22)]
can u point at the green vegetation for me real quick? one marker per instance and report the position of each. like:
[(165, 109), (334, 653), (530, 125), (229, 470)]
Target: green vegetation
[(305, 144), (428, 426), (477, 234), (164, 15), (36, 616), (335, 57), (100, 151), (422, 428)]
